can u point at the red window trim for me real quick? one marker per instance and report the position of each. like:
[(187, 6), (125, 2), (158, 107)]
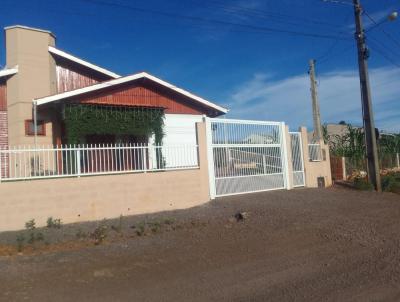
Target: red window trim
[(41, 130)]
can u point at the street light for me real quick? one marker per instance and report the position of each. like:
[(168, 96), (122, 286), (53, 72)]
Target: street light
[(392, 16)]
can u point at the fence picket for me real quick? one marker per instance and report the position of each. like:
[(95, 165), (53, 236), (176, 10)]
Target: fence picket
[(25, 162)]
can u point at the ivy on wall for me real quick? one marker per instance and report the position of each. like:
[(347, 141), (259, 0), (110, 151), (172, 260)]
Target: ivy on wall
[(81, 120)]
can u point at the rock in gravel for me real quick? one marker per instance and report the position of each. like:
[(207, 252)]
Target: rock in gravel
[(240, 216)]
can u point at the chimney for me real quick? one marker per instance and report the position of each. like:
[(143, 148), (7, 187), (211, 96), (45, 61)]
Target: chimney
[(27, 48)]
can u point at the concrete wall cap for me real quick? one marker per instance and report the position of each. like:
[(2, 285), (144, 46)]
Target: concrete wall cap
[(29, 28)]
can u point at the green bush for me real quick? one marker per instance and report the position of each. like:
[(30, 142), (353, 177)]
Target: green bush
[(20, 242), (33, 235), (362, 184), (391, 183), (100, 233), (54, 223)]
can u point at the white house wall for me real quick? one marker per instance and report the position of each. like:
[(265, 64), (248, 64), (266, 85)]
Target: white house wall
[(180, 129)]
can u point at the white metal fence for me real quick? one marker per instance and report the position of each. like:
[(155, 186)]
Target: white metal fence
[(315, 152), (22, 163), (297, 159), (245, 156)]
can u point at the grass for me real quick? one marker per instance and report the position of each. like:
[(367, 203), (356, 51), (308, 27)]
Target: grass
[(390, 183)]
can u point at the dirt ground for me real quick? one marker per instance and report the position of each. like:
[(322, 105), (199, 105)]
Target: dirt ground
[(300, 245)]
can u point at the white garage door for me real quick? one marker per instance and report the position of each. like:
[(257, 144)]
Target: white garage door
[(180, 131)]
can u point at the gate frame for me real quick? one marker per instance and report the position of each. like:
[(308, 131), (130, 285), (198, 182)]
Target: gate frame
[(283, 152), (301, 158)]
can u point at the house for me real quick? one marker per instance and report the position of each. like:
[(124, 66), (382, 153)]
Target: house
[(51, 97), (259, 139)]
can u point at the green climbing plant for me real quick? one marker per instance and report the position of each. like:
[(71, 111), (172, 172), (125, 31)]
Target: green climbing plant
[(82, 119)]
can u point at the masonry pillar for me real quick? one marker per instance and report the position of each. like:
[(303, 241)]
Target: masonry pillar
[(27, 48)]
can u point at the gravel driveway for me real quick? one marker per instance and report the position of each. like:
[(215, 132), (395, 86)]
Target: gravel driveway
[(300, 245)]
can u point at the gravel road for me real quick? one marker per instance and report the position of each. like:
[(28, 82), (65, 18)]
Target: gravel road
[(300, 245)]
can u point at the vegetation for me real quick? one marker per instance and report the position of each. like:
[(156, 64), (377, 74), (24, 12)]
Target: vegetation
[(32, 237), (81, 120), (351, 145), (54, 223), (81, 234), (361, 183), (20, 242), (391, 182), (100, 233), (118, 227)]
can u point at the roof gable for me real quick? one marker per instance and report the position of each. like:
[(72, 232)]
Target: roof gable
[(98, 88), (86, 64)]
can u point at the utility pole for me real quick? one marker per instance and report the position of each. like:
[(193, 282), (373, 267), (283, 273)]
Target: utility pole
[(315, 102), (367, 112)]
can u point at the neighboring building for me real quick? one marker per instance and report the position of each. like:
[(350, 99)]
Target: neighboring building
[(337, 129), (77, 102), (259, 139), (340, 129)]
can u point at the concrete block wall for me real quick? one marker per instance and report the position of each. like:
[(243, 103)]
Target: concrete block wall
[(315, 169), (98, 197)]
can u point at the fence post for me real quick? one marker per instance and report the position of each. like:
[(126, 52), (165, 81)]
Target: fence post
[(264, 164), (78, 161), (398, 160), (210, 159), (285, 157), (145, 150)]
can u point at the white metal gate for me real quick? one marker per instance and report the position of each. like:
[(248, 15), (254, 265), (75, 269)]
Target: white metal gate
[(297, 159), (246, 156)]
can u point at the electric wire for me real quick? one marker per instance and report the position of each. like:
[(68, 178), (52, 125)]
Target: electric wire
[(394, 40), (214, 21)]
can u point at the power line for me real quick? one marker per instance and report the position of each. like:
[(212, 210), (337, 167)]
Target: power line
[(324, 57), (377, 25), (214, 21), (388, 49), (338, 2), (383, 54), (342, 51), (268, 14)]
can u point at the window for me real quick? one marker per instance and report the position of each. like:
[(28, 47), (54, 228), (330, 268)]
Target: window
[(30, 128)]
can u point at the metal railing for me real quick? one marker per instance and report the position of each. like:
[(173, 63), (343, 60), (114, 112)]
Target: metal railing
[(23, 163), (315, 152), (245, 156)]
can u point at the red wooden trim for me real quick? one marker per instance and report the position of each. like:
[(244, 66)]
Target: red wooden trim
[(3, 95)]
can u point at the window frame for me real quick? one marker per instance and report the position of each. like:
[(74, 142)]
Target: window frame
[(41, 129)]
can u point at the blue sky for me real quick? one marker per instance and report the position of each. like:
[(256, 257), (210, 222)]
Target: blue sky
[(257, 73)]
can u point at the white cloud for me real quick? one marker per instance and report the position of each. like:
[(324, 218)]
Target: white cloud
[(289, 100)]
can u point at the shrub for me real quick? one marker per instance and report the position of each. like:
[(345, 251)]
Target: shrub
[(169, 221), (81, 234), (20, 242), (391, 183), (155, 226), (362, 184), (141, 229), (33, 236), (30, 225), (54, 223), (99, 233), (118, 228)]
